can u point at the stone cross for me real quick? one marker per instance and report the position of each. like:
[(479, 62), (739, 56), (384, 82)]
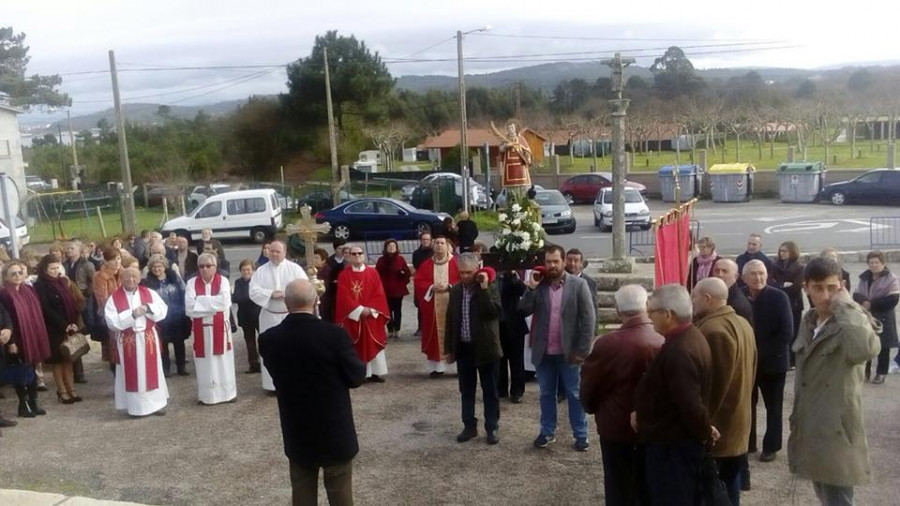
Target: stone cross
[(308, 230)]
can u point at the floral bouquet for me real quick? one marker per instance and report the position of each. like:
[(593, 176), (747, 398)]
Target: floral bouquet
[(521, 235)]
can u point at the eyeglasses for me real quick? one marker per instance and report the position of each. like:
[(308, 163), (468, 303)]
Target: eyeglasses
[(206, 266), (15, 273), (355, 253)]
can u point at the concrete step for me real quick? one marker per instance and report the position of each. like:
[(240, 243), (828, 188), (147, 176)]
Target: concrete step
[(606, 299), (612, 282), (607, 315)]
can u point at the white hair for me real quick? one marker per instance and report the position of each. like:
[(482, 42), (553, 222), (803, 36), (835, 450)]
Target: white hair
[(753, 263), (674, 298), (631, 299), (208, 257), (468, 259)]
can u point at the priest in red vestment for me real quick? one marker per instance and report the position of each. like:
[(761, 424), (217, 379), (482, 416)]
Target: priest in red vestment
[(432, 291), (362, 310)]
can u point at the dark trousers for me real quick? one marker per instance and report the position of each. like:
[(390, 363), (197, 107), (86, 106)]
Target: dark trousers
[(673, 472), (178, 345), (250, 338), (772, 388), (468, 374), (884, 361), (511, 380), (623, 474), (730, 470), (396, 307), (338, 484)]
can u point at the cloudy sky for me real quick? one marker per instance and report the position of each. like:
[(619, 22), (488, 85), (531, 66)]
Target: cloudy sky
[(72, 38)]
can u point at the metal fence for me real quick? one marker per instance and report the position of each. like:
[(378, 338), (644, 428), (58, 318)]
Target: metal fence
[(884, 232), (374, 243), (643, 242)]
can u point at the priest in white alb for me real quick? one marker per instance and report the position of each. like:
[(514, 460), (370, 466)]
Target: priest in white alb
[(267, 291), (207, 301), (131, 314)]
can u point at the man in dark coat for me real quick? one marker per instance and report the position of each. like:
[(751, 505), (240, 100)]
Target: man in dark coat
[(774, 331), (754, 252), (334, 265), (727, 270), (468, 232), (575, 265), (609, 378), (671, 415), (313, 364), (424, 252), (472, 339), (513, 328)]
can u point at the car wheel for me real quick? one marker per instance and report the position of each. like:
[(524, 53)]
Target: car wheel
[(422, 228), (604, 228), (596, 222), (341, 231), (570, 230), (838, 198), (259, 235), (569, 198)]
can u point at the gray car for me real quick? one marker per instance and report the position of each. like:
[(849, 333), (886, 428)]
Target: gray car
[(556, 215)]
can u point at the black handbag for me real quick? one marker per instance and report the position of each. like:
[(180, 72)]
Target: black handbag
[(713, 489)]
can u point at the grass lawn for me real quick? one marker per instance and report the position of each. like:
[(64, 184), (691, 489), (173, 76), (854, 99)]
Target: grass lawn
[(486, 220), (839, 157), (81, 227)]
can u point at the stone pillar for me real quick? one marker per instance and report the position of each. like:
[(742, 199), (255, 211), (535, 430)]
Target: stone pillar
[(790, 155), (891, 150), (619, 166)]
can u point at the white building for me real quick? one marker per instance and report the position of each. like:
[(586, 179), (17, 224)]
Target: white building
[(11, 161)]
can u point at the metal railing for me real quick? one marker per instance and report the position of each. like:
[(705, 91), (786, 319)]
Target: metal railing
[(884, 232), (643, 242), (374, 242)]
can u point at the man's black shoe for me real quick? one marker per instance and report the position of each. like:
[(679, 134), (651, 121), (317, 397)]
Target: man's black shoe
[(436, 374), (466, 435), (376, 379), (767, 456), (493, 437), (516, 399), (745, 483)]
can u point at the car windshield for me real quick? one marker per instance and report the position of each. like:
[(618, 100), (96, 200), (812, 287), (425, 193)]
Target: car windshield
[(632, 196), (550, 199)]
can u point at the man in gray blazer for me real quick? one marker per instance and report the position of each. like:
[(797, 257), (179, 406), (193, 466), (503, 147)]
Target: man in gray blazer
[(562, 331)]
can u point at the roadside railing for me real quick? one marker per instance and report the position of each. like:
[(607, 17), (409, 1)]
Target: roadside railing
[(884, 232), (642, 243)]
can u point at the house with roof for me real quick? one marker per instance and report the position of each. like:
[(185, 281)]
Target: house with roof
[(11, 161), (439, 145)]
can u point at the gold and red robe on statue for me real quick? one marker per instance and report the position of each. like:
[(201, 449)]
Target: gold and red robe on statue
[(433, 307), (359, 288)]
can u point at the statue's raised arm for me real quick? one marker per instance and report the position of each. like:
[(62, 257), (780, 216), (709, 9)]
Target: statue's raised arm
[(516, 156)]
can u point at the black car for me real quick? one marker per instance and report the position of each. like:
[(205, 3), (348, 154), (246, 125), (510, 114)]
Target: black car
[(423, 198), (371, 218), (321, 200), (880, 186)]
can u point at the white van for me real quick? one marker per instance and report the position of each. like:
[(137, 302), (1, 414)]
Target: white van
[(245, 213)]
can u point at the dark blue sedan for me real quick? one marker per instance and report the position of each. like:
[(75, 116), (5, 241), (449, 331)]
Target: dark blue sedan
[(373, 218)]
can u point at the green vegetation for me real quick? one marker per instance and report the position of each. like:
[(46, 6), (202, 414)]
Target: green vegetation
[(486, 220), (89, 228)]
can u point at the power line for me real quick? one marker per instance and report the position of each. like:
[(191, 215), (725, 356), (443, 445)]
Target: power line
[(444, 41), (615, 39)]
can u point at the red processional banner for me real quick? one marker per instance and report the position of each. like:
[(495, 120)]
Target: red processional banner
[(673, 244)]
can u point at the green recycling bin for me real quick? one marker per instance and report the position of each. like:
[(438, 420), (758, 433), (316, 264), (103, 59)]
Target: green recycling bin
[(801, 182)]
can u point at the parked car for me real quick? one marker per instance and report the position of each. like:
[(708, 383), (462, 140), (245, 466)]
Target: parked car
[(586, 187), (200, 193), (244, 213), (379, 217), (321, 200), (636, 210), (21, 233), (879, 186), (479, 197), (37, 184), (503, 195), (155, 195), (423, 198), (556, 215)]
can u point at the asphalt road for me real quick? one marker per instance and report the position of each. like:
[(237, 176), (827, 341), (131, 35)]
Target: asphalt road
[(812, 226)]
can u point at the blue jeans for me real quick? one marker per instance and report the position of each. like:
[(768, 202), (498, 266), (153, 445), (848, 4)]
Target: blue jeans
[(554, 368)]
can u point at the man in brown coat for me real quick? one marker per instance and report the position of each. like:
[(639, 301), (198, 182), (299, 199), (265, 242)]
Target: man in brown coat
[(609, 377), (733, 349), (671, 401)]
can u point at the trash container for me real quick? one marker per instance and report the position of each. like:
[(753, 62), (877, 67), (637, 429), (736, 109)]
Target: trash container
[(689, 179), (801, 182), (445, 198), (731, 182)]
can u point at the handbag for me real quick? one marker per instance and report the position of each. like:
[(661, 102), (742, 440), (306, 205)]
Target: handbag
[(713, 489), (74, 347)]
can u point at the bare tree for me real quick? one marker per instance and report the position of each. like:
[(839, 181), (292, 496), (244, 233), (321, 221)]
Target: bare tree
[(387, 138)]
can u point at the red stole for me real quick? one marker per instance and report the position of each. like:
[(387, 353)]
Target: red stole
[(129, 348), (363, 289), (218, 321)]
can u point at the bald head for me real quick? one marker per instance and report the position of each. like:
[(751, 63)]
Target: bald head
[(300, 296), (709, 295), (726, 270), (714, 287)]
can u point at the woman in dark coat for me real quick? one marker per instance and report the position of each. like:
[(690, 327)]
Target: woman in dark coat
[(395, 273), (247, 313), (879, 291), (12, 372), (175, 329), (789, 278), (61, 303), (29, 344), (702, 265)]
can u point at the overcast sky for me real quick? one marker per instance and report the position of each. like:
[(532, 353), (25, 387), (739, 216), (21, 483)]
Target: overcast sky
[(74, 36)]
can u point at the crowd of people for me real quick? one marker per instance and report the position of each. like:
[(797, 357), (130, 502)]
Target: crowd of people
[(675, 388)]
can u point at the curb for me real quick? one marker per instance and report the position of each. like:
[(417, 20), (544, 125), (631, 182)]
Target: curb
[(10, 497)]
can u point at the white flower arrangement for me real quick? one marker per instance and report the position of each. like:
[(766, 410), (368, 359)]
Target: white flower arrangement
[(521, 234)]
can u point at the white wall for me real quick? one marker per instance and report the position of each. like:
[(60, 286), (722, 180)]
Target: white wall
[(11, 160)]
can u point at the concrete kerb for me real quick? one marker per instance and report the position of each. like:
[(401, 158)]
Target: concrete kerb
[(27, 498)]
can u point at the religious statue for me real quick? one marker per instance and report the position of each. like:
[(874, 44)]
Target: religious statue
[(308, 231), (516, 156)]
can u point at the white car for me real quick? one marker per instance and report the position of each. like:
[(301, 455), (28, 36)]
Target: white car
[(636, 210), (478, 198), (200, 193), (255, 214), (21, 233)]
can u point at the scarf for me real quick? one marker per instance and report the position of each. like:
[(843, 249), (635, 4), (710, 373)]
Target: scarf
[(61, 285), (129, 345), (33, 343), (704, 264), (442, 262), (218, 324), (875, 288)]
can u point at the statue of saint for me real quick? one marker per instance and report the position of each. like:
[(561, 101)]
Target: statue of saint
[(516, 156)]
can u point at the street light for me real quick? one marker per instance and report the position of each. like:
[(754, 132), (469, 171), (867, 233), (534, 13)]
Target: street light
[(463, 141)]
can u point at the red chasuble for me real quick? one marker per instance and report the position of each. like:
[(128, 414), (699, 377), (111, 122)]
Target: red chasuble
[(151, 346), (362, 289), (218, 324), (432, 340)]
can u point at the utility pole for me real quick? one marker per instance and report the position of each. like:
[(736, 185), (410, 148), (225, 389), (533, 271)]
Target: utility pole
[(127, 196), (518, 91), (463, 140), (619, 107), (335, 170), (74, 152)]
